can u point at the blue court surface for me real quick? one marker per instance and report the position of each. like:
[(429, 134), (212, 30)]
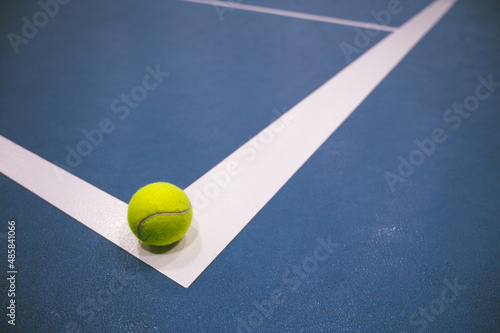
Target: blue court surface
[(342, 159)]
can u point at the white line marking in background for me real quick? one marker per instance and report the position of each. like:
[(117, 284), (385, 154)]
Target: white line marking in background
[(213, 228), (287, 13)]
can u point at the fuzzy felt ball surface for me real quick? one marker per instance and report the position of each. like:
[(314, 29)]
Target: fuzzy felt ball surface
[(159, 214)]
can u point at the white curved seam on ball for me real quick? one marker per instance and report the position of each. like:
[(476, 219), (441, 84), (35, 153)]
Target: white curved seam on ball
[(159, 214)]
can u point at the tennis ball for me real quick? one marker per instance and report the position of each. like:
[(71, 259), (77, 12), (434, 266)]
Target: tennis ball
[(159, 214)]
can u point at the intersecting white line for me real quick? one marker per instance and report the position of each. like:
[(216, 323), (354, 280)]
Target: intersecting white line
[(308, 125), (288, 13)]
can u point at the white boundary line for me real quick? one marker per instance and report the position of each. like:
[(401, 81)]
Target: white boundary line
[(314, 120), (287, 13)]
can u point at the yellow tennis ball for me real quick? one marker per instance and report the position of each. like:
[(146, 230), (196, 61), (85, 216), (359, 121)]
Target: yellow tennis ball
[(159, 214)]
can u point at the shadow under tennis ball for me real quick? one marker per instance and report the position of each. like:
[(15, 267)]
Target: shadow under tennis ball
[(159, 249)]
